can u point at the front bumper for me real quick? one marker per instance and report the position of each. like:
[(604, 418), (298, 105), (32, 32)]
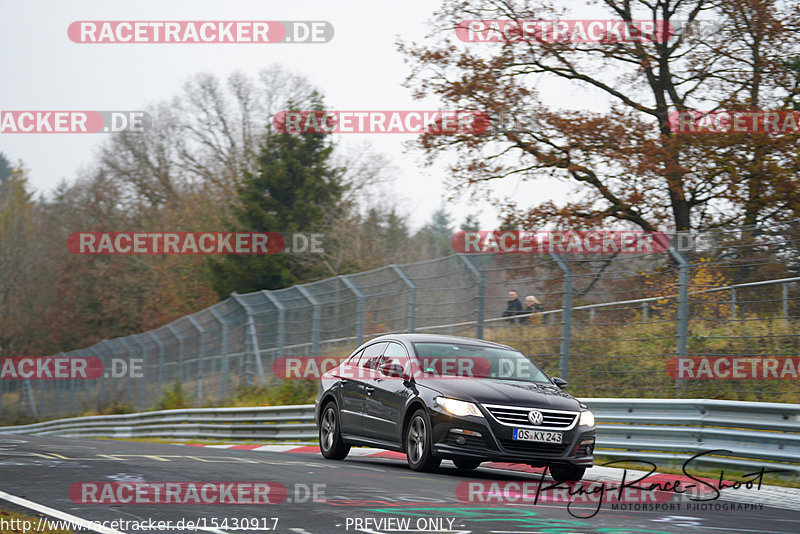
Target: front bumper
[(488, 439)]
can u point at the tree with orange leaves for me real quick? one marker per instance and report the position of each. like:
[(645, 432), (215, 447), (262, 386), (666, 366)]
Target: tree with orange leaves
[(627, 164)]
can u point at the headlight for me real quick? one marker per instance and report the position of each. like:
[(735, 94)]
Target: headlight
[(457, 407), (587, 418)]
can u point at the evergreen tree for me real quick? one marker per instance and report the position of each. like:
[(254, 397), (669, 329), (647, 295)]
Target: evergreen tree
[(435, 237), (470, 224), (294, 189), (5, 169)]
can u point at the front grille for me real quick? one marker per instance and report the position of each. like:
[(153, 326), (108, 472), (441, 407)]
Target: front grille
[(517, 416), (556, 449)]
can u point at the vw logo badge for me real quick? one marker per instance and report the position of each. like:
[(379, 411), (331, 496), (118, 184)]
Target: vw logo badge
[(535, 417)]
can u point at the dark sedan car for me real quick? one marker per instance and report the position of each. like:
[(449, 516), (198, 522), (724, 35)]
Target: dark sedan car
[(467, 400)]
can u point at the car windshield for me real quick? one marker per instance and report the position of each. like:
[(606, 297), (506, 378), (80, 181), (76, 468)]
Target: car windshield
[(476, 361)]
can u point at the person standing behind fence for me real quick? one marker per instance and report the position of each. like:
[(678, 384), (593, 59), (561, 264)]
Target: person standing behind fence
[(533, 305), (513, 307)]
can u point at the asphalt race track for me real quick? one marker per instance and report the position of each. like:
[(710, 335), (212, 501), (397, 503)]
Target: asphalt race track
[(360, 494)]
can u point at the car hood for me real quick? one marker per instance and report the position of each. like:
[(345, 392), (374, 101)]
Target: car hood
[(506, 392)]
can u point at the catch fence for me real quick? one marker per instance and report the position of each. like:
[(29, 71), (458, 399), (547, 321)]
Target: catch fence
[(613, 325)]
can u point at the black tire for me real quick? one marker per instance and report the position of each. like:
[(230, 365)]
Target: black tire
[(566, 472), (466, 464), (419, 450), (330, 437)]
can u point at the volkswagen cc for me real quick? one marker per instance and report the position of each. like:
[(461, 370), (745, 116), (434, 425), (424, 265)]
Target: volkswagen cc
[(438, 397)]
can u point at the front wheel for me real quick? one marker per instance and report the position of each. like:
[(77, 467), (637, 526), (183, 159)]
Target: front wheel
[(566, 472), (330, 437), (419, 451)]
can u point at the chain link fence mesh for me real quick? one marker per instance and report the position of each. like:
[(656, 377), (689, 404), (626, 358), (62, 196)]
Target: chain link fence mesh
[(609, 323)]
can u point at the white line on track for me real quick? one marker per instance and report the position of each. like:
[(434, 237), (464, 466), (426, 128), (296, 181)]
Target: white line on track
[(58, 514)]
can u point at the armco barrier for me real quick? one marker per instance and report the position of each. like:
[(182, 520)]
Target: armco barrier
[(664, 431)]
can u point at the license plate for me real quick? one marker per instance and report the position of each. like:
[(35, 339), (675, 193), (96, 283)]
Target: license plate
[(523, 434)]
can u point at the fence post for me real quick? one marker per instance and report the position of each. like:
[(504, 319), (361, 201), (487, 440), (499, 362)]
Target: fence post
[(281, 341), (683, 312), (566, 315), (733, 303), (200, 355), (480, 278), (223, 367), (31, 399), (645, 311), (785, 297), (143, 377), (57, 388), (315, 319), (180, 352), (412, 301), (251, 327), (129, 391), (160, 362), (101, 380), (360, 308)]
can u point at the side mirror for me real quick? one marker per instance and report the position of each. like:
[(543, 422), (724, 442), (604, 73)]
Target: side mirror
[(560, 382), (393, 370)]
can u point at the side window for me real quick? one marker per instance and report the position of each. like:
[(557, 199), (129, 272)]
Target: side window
[(353, 360), (372, 354), (395, 353)]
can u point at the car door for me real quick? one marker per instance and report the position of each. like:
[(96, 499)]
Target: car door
[(351, 388), (385, 396)]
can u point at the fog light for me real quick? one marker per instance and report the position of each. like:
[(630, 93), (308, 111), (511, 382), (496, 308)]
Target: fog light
[(461, 440)]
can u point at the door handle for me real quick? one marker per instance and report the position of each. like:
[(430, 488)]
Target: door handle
[(369, 389)]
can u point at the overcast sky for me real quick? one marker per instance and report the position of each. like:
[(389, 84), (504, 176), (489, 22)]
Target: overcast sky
[(360, 69)]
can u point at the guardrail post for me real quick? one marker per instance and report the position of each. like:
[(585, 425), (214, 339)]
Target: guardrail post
[(160, 361), (683, 312), (360, 307), (281, 341), (733, 303), (412, 300), (253, 340), (315, 319), (200, 356), (480, 278), (566, 315), (180, 352), (223, 366), (143, 377)]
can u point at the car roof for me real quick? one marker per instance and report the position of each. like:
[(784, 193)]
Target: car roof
[(437, 338)]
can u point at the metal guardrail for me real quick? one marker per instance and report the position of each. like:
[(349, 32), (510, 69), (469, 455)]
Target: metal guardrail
[(257, 423), (757, 434)]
